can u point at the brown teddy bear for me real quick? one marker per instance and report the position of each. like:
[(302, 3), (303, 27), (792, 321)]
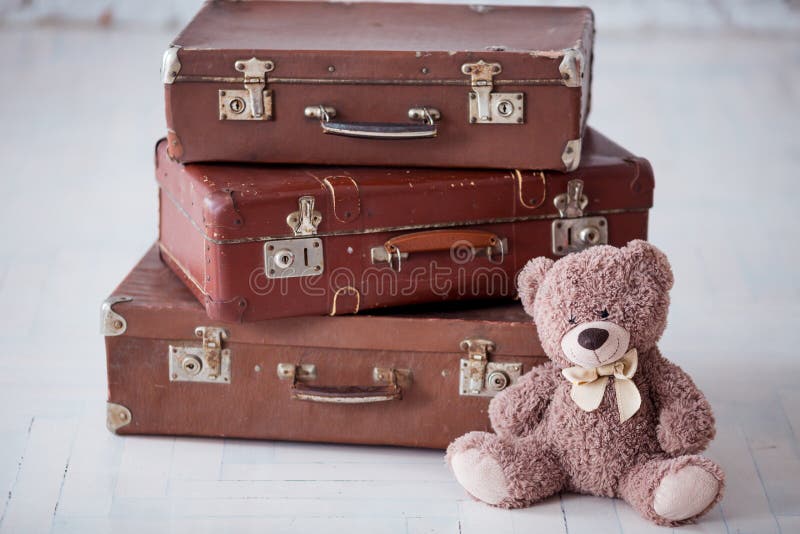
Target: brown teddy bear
[(608, 415)]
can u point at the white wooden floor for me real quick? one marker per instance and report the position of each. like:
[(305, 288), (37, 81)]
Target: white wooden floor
[(716, 111)]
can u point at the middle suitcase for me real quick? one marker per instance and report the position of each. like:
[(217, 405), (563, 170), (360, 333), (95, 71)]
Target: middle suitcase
[(256, 242)]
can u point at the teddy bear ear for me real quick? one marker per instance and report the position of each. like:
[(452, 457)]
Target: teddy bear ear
[(530, 278), (649, 260)]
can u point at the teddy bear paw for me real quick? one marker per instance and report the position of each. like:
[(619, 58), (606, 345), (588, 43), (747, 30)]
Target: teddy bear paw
[(686, 493), (481, 476)]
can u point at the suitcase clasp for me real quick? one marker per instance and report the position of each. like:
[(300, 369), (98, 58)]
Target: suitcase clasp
[(486, 107), (574, 232), (254, 102), (480, 377), (301, 255), (305, 220), (206, 363)]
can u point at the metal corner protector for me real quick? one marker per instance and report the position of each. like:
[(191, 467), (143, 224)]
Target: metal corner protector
[(572, 67), (117, 416), (571, 156), (170, 65), (112, 323)]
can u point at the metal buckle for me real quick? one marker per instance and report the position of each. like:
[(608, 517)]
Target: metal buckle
[(254, 102), (487, 107)]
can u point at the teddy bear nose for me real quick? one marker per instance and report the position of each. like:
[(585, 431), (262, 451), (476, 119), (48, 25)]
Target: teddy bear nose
[(592, 338)]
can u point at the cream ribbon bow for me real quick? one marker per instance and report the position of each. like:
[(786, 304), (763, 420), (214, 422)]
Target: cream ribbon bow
[(589, 385)]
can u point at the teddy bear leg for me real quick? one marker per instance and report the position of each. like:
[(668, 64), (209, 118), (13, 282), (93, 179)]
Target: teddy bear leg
[(506, 472), (673, 491)]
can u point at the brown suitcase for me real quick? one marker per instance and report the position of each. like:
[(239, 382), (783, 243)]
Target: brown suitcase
[(398, 84), (257, 243), (416, 380)]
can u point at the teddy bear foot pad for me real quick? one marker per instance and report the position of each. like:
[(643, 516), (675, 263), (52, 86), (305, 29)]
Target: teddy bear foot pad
[(685, 494)]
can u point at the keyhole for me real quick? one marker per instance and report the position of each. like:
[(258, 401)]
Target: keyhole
[(236, 105), (284, 258), (505, 108)]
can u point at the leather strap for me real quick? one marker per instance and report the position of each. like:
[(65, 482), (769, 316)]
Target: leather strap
[(437, 240)]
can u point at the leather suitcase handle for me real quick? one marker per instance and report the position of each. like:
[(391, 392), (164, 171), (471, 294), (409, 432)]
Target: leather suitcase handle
[(347, 394), (438, 240), (454, 240), (377, 130)]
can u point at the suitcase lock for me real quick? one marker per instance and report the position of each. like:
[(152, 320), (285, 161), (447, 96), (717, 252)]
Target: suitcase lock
[(481, 378), (574, 232), (301, 255), (254, 102), (486, 107), (206, 363)]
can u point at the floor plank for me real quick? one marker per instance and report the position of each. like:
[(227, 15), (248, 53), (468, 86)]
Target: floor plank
[(745, 506), (34, 498)]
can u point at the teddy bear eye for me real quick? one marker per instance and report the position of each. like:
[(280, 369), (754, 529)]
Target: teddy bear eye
[(603, 314), (572, 320)]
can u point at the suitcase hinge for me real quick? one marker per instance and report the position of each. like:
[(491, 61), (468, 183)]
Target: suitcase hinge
[(574, 232), (254, 102), (480, 377), (486, 107), (206, 363)]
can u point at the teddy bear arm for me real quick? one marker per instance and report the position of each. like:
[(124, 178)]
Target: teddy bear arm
[(515, 411), (685, 419)]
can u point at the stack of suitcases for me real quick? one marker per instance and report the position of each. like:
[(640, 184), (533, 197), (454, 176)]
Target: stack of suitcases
[(346, 194)]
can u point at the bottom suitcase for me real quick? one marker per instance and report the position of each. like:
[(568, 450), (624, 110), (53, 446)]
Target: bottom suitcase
[(412, 379)]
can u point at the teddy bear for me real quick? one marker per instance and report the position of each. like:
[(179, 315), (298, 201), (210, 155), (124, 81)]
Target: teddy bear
[(608, 415)]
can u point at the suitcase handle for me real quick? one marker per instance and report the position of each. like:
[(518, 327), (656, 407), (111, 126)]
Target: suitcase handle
[(388, 390), (377, 130), (347, 394), (456, 241)]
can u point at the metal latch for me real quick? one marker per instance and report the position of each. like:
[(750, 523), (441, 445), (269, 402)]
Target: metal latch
[(300, 256), (480, 377), (574, 232), (486, 107), (206, 363), (254, 102), (305, 220)]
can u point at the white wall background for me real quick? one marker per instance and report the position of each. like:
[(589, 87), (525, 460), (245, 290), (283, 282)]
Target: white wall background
[(751, 16)]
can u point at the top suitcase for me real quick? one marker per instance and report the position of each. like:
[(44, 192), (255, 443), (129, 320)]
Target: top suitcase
[(380, 84)]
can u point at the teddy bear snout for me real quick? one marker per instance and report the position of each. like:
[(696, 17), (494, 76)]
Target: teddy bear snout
[(592, 338), (595, 343)]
